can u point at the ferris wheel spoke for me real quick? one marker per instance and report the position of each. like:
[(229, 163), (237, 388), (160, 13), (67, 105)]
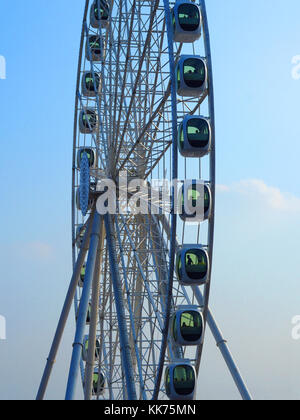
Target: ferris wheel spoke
[(147, 126), (143, 275), (117, 75), (138, 75), (127, 67)]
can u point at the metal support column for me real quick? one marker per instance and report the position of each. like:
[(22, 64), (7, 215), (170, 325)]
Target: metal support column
[(83, 308), (119, 302)]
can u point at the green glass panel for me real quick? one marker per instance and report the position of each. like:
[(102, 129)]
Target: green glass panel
[(191, 326), (196, 264), (168, 382), (194, 72), (188, 17), (194, 195), (90, 155), (104, 10), (181, 137), (175, 330), (89, 82), (179, 267), (89, 119), (184, 380), (178, 78), (198, 132)]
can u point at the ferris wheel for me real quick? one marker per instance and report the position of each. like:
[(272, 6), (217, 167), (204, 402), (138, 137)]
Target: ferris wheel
[(141, 282)]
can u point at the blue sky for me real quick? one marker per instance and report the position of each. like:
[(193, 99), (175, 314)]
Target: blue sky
[(256, 282)]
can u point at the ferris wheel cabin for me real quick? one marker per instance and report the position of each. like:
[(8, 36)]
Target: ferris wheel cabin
[(98, 383), (89, 86), (80, 232), (82, 276), (101, 17), (186, 22), (93, 48), (196, 201), (191, 76), (88, 316), (180, 381), (192, 265), (85, 349), (194, 137), (90, 154), (78, 206), (187, 326), (88, 121)]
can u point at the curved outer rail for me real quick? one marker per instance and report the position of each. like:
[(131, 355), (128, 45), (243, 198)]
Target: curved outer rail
[(211, 228), (75, 129)]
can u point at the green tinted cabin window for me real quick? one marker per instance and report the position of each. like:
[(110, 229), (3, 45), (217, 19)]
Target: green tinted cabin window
[(97, 348), (191, 326), (95, 383), (82, 273), (104, 10), (89, 119), (88, 316), (179, 267), (178, 78), (194, 195), (175, 332), (181, 137), (98, 383), (184, 380), (198, 132), (196, 264), (94, 42), (89, 82), (80, 234), (173, 20), (90, 155), (194, 72), (206, 199), (168, 382), (188, 17)]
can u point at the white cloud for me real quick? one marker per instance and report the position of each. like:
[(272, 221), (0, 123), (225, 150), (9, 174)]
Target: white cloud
[(264, 194), (222, 188), (36, 250)]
